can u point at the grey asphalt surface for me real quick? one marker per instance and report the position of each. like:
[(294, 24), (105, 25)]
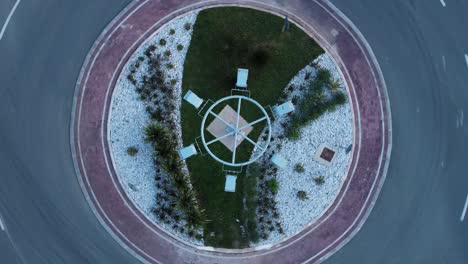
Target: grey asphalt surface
[(416, 218)]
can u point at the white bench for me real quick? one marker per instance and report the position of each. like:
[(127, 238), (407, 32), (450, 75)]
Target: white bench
[(193, 99)]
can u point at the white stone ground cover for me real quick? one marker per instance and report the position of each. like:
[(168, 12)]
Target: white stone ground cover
[(334, 128), (128, 119)]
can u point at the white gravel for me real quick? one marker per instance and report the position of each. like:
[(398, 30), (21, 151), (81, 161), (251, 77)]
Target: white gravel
[(333, 128), (128, 118)]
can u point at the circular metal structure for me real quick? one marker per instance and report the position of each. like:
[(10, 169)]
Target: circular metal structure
[(235, 130)]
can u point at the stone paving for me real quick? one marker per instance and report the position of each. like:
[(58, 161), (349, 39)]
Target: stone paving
[(372, 142)]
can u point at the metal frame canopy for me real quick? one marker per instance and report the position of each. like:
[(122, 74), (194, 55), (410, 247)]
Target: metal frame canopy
[(235, 130)]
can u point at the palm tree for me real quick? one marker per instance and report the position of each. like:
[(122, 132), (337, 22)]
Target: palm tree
[(334, 85), (186, 200), (155, 132)]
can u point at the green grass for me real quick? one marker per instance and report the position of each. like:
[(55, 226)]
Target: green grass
[(225, 39)]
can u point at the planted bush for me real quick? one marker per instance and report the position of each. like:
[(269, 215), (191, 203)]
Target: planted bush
[(150, 50), (187, 26), (165, 147), (132, 151), (302, 195), (172, 31), (299, 167), (314, 103), (180, 47), (162, 42), (273, 185), (319, 180)]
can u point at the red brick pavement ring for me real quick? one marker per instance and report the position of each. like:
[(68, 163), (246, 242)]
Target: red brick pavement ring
[(148, 242)]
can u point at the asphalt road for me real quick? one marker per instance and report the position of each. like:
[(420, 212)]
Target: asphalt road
[(416, 218)]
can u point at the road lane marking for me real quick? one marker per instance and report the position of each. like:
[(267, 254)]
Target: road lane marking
[(2, 226), (442, 2), (462, 217), (8, 19), (466, 59), (444, 63), (461, 117)]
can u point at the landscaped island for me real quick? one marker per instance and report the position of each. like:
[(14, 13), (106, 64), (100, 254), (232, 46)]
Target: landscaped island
[(149, 123)]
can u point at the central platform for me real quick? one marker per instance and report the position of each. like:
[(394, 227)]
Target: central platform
[(218, 128), (231, 129)]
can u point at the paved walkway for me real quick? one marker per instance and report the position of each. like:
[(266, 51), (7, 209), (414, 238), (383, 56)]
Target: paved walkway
[(152, 244)]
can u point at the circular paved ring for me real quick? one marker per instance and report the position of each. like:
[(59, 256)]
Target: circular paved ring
[(148, 242), (236, 131)]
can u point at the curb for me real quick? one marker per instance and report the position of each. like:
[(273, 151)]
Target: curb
[(147, 241)]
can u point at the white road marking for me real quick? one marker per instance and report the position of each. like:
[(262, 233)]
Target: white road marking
[(8, 19), (461, 117), (1, 224), (442, 2), (444, 63), (462, 217), (466, 59)]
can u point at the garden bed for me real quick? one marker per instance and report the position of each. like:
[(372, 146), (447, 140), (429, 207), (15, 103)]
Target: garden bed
[(148, 122), (225, 39)]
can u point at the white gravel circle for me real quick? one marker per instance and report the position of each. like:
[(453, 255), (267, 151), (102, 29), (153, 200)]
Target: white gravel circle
[(128, 118)]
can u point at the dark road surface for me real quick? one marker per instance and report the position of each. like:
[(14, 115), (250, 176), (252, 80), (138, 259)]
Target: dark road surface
[(420, 46), (417, 215)]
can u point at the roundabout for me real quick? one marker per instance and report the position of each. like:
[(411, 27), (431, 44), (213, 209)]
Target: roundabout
[(419, 46), (137, 233)]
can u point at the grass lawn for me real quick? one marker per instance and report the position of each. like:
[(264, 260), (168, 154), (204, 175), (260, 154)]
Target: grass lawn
[(223, 40)]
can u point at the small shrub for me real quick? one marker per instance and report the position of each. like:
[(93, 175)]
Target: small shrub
[(149, 51), (172, 31), (173, 81), (295, 100), (141, 58), (157, 115), (323, 76), (198, 237), (293, 133), (131, 78), (302, 195), (167, 53), (162, 42), (170, 66), (180, 47), (299, 167), (319, 180), (187, 26), (273, 185), (334, 85), (190, 233), (307, 76), (339, 98)]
